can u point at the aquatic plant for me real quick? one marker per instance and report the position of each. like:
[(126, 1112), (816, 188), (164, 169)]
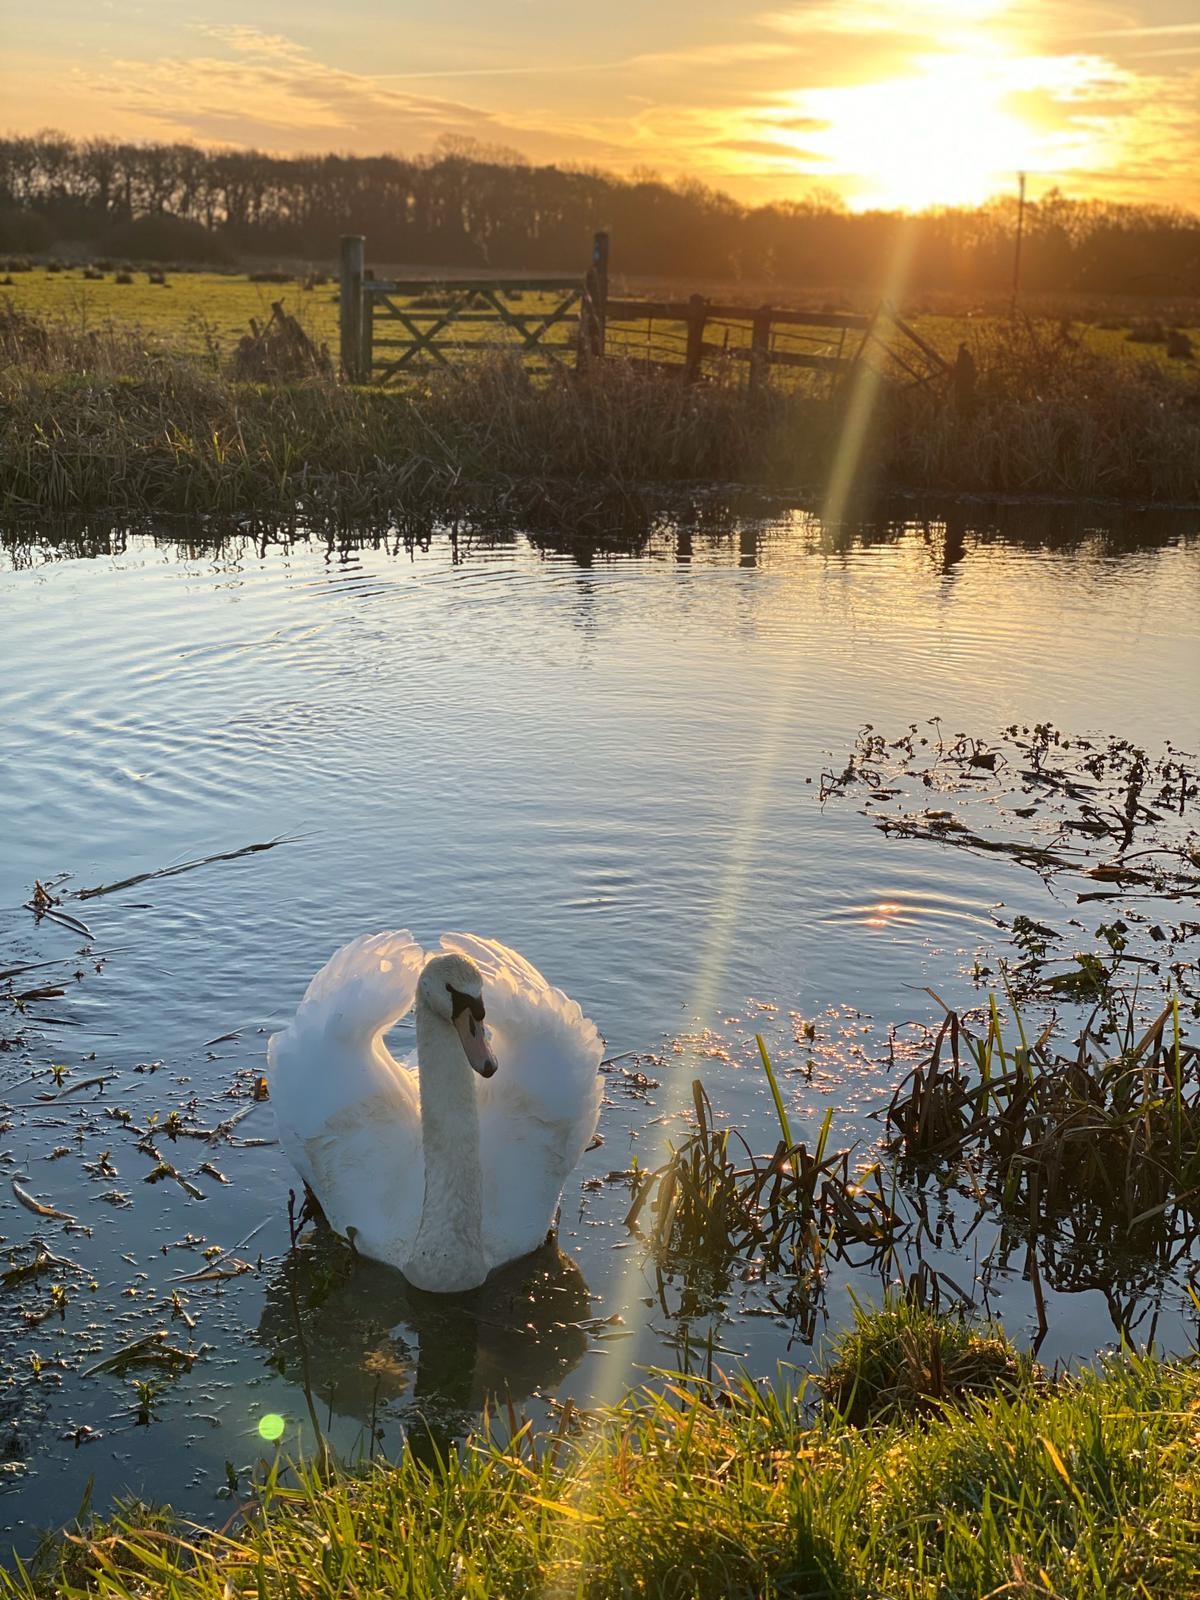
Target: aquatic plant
[(713, 1201)]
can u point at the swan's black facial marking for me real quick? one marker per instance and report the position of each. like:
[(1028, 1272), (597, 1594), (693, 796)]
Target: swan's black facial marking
[(467, 1015), (460, 1002)]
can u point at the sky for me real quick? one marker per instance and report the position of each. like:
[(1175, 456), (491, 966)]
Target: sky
[(926, 102)]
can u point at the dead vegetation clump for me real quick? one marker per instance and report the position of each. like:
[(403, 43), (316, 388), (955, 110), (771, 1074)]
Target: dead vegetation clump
[(279, 350), (23, 338), (1050, 416)]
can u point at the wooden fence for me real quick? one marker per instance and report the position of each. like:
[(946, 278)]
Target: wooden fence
[(392, 327)]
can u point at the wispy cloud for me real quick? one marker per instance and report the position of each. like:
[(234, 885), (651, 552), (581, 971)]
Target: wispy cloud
[(719, 55), (1160, 31), (253, 42), (271, 90)]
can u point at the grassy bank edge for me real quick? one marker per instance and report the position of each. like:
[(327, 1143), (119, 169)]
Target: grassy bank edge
[(95, 423), (1078, 1486)]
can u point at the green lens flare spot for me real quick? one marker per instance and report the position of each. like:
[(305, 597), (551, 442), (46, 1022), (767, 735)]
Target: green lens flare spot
[(271, 1427)]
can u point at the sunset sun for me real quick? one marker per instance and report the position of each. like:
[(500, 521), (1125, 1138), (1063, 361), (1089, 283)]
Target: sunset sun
[(952, 132), (944, 137)]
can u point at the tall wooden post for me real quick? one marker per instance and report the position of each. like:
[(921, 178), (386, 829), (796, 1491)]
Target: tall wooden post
[(593, 313), (350, 297), (697, 316), (368, 338), (600, 272), (760, 347)]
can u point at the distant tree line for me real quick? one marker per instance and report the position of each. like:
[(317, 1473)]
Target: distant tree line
[(468, 204)]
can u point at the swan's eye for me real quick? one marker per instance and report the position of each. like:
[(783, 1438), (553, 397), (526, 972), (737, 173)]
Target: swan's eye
[(460, 1002)]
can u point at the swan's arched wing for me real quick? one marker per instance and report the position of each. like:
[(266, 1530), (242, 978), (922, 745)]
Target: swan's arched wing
[(538, 1114), (364, 987), (348, 1115)]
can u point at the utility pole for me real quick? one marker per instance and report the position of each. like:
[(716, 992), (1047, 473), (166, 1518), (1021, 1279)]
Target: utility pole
[(1017, 248)]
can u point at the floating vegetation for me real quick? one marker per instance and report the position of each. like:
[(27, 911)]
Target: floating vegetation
[(152, 1350), (179, 867), (37, 1206), (1106, 810)]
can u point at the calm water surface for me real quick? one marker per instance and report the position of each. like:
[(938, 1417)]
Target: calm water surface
[(609, 764)]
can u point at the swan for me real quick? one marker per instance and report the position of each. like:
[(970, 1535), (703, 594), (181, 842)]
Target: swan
[(449, 1165)]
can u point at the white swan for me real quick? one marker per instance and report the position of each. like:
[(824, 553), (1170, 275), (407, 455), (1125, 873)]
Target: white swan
[(443, 1171)]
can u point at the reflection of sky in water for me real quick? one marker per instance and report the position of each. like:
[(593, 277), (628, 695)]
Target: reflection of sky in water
[(607, 765)]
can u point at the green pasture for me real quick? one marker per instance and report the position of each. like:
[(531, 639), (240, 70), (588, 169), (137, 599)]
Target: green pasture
[(193, 312), (207, 312)]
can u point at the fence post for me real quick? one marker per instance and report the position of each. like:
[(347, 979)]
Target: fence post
[(760, 347), (350, 307), (600, 269), (697, 316), (593, 312)]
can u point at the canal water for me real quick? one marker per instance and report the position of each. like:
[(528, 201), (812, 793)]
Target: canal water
[(610, 761)]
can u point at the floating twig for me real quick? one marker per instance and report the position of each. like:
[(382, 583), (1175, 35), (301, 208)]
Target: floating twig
[(36, 1206), (63, 917), (173, 872), (151, 1350)]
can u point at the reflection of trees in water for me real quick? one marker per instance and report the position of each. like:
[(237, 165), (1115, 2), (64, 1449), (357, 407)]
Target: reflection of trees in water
[(613, 522), (371, 1341)]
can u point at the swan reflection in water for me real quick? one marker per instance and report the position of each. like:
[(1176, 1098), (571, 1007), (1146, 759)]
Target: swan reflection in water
[(375, 1346)]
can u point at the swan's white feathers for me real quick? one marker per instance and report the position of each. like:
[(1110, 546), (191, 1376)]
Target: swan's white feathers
[(348, 1113), (334, 1083), (364, 987)]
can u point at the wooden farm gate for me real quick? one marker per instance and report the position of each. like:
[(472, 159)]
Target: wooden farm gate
[(390, 328)]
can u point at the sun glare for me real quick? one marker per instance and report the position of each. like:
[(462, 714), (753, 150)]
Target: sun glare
[(950, 133)]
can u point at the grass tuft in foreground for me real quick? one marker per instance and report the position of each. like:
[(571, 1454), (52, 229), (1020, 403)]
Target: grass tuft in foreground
[(1086, 1487), (905, 1361)]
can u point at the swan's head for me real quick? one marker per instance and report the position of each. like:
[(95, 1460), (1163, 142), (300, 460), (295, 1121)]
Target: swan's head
[(452, 987)]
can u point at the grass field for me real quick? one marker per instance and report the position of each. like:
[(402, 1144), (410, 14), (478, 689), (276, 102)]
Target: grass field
[(207, 312), (195, 312), (984, 1483)]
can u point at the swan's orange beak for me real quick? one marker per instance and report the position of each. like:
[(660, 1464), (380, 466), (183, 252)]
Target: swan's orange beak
[(475, 1041)]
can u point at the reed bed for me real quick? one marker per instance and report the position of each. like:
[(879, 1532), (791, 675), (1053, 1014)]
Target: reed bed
[(1084, 1488), (714, 1204), (1105, 1138), (703, 1204), (98, 421)]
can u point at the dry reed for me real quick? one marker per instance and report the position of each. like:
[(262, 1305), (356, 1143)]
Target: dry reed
[(96, 420)]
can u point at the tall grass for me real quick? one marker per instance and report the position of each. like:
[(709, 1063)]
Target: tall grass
[(94, 421), (1087, 1487)]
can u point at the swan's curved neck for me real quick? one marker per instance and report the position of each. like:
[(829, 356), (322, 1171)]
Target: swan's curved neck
[(447, 1254)]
